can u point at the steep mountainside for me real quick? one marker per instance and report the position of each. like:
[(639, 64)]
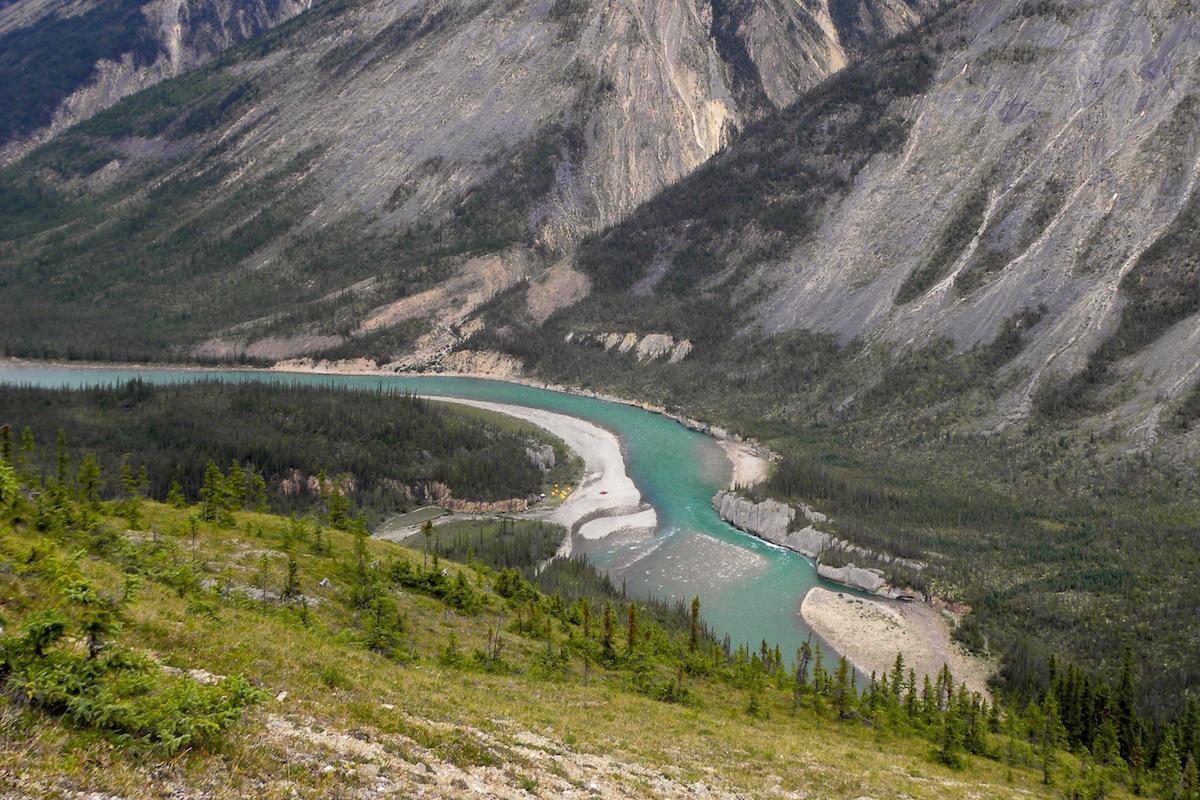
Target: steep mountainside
[(61, 62), (379, 168), (1016, 167)]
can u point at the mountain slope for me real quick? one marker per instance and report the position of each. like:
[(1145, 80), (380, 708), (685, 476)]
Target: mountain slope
[(61, 62), (307, 188), (1014, 160)]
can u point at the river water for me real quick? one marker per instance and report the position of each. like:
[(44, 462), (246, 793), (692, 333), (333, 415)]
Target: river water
[(747, 588)]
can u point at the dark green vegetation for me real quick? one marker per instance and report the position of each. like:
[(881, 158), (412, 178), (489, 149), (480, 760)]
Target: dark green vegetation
[(500, 543), (383, 449), (73, 564), (63, 656), (41, 65)]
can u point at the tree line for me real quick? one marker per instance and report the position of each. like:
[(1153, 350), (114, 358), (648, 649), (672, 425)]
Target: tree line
[(381, 448)]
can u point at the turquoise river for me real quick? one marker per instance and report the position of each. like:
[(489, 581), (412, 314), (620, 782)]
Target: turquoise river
[(748, 589)]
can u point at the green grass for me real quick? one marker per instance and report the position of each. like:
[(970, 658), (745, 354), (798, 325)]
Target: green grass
[(520, 727)]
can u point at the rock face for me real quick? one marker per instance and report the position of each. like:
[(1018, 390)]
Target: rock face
[(1066, 169), (868, 580), (768, 520), (541, 456), (1012, 175), (651, 347), (772, 520)]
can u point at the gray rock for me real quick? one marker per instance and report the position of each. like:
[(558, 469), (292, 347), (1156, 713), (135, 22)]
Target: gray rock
[(868, 580), (768, 520)]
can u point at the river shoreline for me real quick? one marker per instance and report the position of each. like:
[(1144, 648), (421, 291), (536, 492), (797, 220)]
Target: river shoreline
[(870, 631), (749, 458), (606, 499)]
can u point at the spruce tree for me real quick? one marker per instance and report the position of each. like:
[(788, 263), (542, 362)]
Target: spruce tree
[(897, 681), (28, 448), (62, 458), (1126, 706), (929, 704), (235, 485), (131, 505), (694, 630), (819, 679), (800, 683), (258, 493), (1190, 729), (630, 628), (1191, 780), (1105, 747), (291, 584), (175, 498), (607, 624), (211, 492), (950, 742), (1046, 749), (426, 538), (9, 488), (844, 693), (1168, 772), (89, 481), (1137, 758)]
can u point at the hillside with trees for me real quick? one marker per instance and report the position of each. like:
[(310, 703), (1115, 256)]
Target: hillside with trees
[(293, 448), (137, 633)]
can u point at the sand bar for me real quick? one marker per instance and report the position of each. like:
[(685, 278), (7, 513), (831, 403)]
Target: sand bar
[(870, 633), (605, 492), (749, 468)]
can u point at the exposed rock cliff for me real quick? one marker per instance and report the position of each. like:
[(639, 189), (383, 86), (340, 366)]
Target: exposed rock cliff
[(868, 580), (772, 521), (649, 347)]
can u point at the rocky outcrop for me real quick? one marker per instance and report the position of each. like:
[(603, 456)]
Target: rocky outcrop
[(768, 520), (481, 362), (651, 347), (771, 521), (541, 456), (867, 580), (516, 505), (167, 39)]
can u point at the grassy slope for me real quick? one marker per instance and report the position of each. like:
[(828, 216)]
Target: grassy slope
[(353, 720)]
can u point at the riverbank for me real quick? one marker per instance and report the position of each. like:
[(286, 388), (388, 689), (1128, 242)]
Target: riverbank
[(750, 459), (750, 467), (755, 456), (606, 499), (870, 632)]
